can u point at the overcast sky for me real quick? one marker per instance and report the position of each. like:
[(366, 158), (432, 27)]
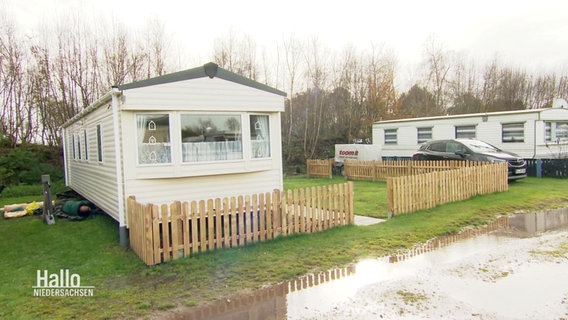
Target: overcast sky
[(527, 34)]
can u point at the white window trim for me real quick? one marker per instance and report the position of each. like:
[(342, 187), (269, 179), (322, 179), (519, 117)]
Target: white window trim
[(389, 132), (171, 143), (456, 127), (514, 139), (100, 142)]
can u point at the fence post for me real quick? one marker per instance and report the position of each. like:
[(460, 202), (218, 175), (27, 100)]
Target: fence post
[(539, 168), (47, 208)]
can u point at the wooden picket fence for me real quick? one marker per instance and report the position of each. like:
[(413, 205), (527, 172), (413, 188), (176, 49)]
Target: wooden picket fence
[(381, 170), (427, 190), (317, 168), (159, 233)]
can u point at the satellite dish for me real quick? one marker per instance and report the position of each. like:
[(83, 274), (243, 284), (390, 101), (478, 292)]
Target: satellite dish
[(560, 104)]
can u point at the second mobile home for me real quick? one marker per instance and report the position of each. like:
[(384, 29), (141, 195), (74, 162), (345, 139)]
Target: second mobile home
[(532, 134)]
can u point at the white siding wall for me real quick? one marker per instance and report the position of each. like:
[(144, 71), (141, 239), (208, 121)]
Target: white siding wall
[(159, 191), (202, 94), (94, 180)]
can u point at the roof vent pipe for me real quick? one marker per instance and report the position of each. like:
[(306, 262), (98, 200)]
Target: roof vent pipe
[(210, 69)]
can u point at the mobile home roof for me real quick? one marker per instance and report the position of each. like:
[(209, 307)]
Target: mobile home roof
[(210, 70), (469, 115)]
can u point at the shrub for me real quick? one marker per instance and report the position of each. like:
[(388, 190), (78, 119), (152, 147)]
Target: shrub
[(25, 164)]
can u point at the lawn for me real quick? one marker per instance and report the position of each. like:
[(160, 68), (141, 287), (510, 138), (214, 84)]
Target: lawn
[(126, 288)]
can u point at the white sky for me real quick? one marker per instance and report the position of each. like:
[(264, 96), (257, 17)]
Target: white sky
[(528, 34)]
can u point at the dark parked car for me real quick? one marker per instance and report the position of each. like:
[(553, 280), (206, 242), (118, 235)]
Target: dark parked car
[(473, 150)]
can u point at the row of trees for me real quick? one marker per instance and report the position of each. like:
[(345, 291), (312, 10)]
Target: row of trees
[(333, 97), (47, 78)]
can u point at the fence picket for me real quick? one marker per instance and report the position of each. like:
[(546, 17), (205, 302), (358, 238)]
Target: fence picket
[(241, 222), (202, 227), (234, 209), (254, 218), (261, 217), (194, 228), (185, 215), (218, 224), (226, 223), (175, 211)]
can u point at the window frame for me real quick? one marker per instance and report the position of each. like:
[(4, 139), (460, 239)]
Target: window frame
[(428, 133), (74, 147), (252, 152), (240, 135), (389, 134), (550, 129), (509, 127), (86, 144), (168, 144), (459, 130), (79, 149), (99, 129)]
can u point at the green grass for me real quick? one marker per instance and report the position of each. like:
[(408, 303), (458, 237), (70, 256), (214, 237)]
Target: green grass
[(370, 197), (125, 288)]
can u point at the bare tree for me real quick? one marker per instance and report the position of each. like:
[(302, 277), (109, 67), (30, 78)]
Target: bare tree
[(437, 62), (237, 55), (292, 62), (316, 80), (16, 117), (157, 44)]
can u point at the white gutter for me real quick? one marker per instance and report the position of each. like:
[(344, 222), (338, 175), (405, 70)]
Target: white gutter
[(65, 164), (92, 107)]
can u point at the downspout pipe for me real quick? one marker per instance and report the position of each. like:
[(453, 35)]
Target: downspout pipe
[(534, 136), (122, 223)]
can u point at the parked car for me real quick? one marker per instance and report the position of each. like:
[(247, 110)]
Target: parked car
[(472, 150)]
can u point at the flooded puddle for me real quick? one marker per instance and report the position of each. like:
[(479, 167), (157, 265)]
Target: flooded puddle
[(511, 273)]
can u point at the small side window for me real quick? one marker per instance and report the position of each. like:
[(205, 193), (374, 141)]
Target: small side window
[(99, 143)]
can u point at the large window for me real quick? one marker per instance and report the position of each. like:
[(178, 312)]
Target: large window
[(424, 134), (207, 137), (513, 132), (465, 132), (99, 143), (390, 136), (556, 132), (153, 138), (260, 136)]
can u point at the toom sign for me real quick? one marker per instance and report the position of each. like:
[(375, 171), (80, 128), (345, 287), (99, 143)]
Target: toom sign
[(348, 153), (356, 152)]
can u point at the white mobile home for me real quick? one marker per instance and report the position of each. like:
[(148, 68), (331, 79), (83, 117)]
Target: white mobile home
[(196, 134), (537, 133)]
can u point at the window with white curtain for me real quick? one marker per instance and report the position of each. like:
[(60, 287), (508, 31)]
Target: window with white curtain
[(153, 138), (260, 136), (211, 137)]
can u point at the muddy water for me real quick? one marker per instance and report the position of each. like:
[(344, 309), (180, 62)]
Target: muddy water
[(471, 276)]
